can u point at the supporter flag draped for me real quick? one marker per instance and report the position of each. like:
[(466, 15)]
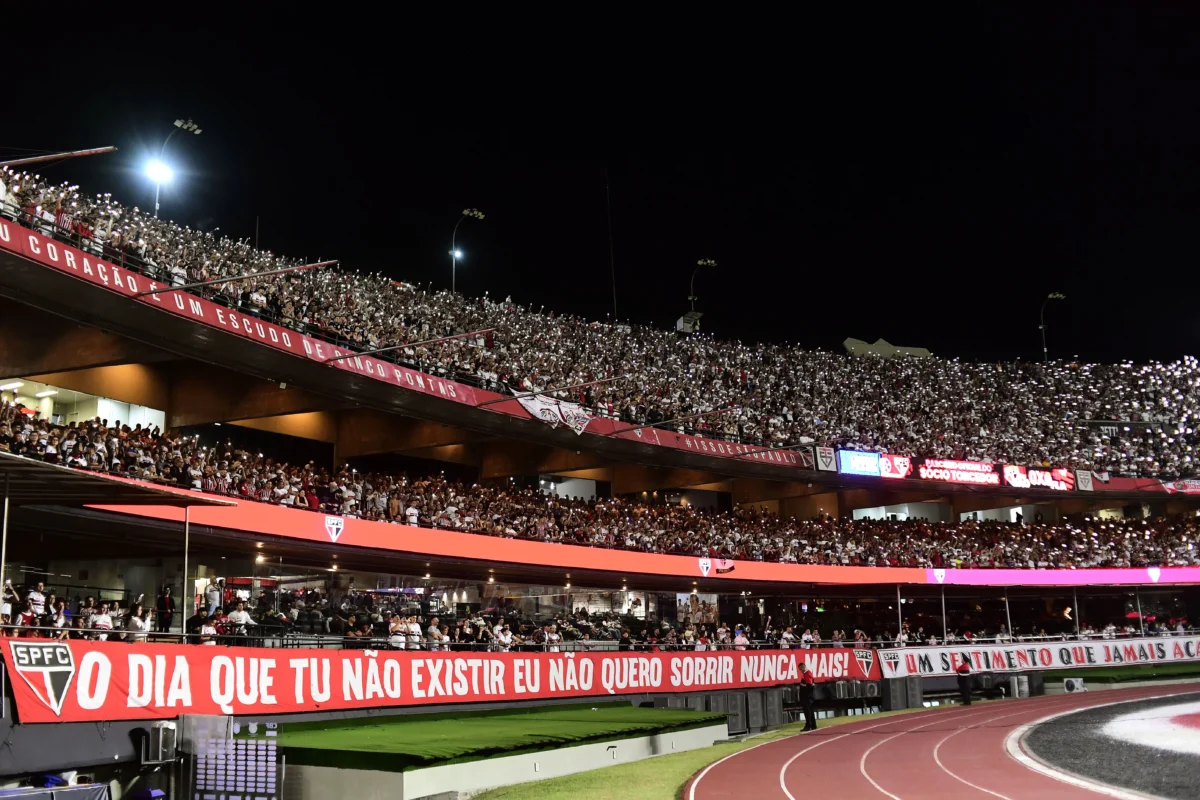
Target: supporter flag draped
[(555, 412)]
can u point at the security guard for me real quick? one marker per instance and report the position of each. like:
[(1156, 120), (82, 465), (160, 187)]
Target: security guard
[(964, 682), (806, 698)]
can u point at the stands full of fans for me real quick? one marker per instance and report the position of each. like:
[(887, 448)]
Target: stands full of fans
[(513, 511), (1017, 413)]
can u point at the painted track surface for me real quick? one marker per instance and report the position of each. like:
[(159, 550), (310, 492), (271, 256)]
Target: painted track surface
[(952, 751)]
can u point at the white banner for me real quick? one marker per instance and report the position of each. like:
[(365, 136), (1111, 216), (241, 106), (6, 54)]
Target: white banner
[(555, 412), (1033, 656)]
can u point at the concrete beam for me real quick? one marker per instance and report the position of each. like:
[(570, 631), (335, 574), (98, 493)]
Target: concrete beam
[(632, 478), (142, 384), (361, 432), (510, 458), (752, 490), (320, 426), (966, 503), (201, 394), (850, 499), (33, 342), (810, 506)]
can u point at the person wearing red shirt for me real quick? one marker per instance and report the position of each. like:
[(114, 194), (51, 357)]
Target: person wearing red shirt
[(964, 682), (807, 682)]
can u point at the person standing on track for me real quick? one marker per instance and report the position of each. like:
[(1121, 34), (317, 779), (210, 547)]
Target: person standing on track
[(964, 682), (806, 698)]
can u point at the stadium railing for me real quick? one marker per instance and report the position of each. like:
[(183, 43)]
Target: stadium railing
[(282, 639)]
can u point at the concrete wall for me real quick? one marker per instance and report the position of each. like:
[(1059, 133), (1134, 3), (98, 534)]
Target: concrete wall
[(571, 487), (1030, 512), (935, 512), (319, 783)]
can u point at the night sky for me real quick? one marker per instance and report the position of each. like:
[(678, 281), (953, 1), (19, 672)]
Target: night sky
[(926, 179)]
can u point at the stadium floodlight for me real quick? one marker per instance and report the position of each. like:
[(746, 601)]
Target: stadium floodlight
[(159, 172), (455, 253), (1042, 321), (704, 262)]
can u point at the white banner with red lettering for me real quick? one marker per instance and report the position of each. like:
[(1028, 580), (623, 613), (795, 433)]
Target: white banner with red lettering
[(554, 412), (1031, 656), (76, 681)]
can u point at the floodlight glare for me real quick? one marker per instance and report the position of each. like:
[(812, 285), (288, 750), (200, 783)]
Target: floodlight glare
[(159, 172)]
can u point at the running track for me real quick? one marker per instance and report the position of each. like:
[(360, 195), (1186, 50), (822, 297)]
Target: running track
[(951, 752)]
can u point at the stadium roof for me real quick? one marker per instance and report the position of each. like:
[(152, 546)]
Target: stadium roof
[(29, 482)]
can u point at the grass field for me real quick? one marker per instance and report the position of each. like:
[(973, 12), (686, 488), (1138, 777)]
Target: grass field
[(402, 743), (659, 778), (1121, 674)]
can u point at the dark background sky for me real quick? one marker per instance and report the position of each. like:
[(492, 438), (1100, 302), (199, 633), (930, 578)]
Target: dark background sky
[(926, 177)]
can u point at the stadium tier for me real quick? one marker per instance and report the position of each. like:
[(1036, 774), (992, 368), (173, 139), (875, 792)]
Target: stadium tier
[(1119, 421), (786, 527)]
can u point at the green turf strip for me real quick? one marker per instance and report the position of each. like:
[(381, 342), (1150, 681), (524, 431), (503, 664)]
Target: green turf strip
[(400, 743), (1121, 674)]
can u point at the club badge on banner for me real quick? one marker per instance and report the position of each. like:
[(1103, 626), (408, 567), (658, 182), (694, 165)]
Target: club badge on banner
[(1031, 656), (555, 412), (77, 681)]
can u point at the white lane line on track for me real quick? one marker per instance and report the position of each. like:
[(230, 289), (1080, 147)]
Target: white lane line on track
[(862, 763), (783, 770), (1013, 746), (937, 758), (703, 772)]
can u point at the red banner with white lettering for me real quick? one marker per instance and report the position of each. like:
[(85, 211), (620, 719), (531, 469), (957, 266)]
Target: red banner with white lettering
[(75, 681)]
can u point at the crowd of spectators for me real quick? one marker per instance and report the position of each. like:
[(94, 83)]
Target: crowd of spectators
[(526, 512), (375, 620), (1013, 412)]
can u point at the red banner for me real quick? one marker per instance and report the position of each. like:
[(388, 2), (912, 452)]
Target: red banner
[(77, 681)]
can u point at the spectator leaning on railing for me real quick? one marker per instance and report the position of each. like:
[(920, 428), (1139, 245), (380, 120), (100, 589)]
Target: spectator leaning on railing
[(1019, 413)]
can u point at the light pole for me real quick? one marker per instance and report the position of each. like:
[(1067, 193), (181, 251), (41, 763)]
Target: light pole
[(1042, 319), (704, 262), (455, 253), (157, 170)]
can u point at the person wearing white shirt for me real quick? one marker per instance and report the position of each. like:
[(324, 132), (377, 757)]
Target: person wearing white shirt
[(787, 639), (414, 634), (413, 515), (136, 626), (397, 633), (241, 617), (504, 639), (552, 639), (102, 622), (806, 641), (37, 596), (208, 631)]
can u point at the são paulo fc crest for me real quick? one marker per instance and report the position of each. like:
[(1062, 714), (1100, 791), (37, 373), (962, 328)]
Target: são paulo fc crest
[(939, 575), (334, 527), (705, 566), (891, 658), (47, 668), (1155, 573), (865, 659)]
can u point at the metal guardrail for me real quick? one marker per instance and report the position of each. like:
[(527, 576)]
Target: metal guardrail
[(275, 638)]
